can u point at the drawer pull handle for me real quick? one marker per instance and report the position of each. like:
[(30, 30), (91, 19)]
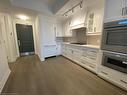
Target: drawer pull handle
[(104, 73), (123, 81), (125, 62), (91, 66), (93, 51), (83, 62)]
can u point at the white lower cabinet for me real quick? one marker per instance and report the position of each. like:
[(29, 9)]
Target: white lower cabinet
[(115, 77), (90, 58), (50, 50), (86, 57)]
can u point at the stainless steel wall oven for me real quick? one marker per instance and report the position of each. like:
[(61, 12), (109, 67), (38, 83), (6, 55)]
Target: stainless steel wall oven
[(114, 36), (115, 61)]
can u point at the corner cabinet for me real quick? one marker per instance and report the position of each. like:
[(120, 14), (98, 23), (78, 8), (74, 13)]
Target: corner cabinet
[(95, 20), (115, 10)]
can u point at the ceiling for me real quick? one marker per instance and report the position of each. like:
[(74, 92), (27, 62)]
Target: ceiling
[(33, 7), (6, 7), (43, 6)]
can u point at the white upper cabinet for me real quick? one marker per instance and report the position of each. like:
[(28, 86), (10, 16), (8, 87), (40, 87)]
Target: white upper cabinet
[(67, 29), (115, 10), (95, 19), (59, 31), (49, 34)]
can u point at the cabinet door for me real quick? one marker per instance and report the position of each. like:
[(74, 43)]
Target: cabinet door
[(77, 54), (66, 29), (113, 9), (98, 20), (90, 21), (59, 32), (49, 34), (50, 50)]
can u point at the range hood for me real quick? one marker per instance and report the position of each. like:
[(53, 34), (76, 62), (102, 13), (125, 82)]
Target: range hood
[(78, 29), (79, 26)]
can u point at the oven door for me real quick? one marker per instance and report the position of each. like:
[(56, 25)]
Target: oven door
[(115, 61), (115, 39)]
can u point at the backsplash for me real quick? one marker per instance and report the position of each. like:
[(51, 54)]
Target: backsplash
[(94, 40)]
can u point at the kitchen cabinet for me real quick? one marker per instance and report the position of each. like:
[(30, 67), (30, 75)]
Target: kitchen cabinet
[(84, 56), (95, 20), (67, 29), (90, 58), (59, 31), (48, 32), (50, 50), (115, 77), (59, 48), (115, 10)]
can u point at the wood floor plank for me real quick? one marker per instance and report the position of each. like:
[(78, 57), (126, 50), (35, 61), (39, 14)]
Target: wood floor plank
[(55, 76)]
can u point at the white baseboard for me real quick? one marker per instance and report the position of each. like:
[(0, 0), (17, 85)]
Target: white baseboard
[(42, 59), (4, 80)]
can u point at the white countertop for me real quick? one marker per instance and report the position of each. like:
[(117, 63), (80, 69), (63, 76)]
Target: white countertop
[(87, 45)]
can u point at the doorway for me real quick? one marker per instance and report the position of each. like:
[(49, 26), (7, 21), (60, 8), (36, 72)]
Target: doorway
[(25, 39)]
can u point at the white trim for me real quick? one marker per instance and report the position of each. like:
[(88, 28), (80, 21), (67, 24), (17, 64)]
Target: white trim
[(4, 80)]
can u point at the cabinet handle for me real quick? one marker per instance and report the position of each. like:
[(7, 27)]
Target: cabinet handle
[(123, 81), (93, 51), (123, 11), (104, 73), (83, 62), (94, 29), (91, 66), (19, 42)]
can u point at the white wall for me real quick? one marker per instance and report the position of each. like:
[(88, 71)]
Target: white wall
[(8, 36), (4, 69)]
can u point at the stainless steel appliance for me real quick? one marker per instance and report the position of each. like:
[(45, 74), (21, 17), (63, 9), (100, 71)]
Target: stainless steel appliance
[(115, 61), (115, 36)]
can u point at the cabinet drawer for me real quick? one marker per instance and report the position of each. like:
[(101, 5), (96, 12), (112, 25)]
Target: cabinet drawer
[(113, 76), (103, 72), (89, 66)]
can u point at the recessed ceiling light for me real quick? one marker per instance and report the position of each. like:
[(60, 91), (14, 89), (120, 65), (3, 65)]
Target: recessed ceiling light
[(23, 17)]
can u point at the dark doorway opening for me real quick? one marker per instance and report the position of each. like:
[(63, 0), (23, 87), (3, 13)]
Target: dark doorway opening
[(25, 39)]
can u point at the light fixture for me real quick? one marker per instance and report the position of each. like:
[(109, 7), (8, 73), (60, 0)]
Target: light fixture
[(23, 17), (81, 5), (72, 9)]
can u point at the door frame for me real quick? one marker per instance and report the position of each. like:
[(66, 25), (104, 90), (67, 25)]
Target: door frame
[(18, 21)]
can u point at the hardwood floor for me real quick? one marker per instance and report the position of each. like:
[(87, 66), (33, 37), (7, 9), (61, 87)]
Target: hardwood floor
[(55, 76)]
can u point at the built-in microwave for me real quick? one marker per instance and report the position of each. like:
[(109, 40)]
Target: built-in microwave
[(114, 36), (116, 61)]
